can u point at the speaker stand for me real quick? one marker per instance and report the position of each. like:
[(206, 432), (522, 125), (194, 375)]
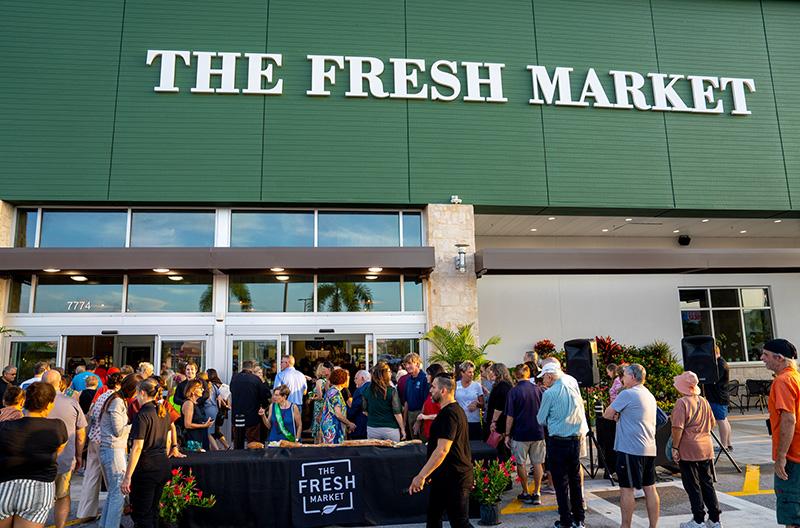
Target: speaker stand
[(722, 448), (594, 469)]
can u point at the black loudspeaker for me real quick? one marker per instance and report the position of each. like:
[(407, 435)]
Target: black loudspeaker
[(582, 361), (699, 357)]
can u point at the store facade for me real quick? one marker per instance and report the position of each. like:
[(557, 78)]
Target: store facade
[(269, 153)]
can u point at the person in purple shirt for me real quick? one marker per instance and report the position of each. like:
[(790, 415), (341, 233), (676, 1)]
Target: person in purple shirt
[(524, 434)]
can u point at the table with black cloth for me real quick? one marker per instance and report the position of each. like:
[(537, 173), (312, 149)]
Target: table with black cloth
[(253, 487)]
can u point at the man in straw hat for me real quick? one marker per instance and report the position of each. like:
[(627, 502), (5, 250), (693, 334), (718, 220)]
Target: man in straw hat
[(692, 421), (784, 406)]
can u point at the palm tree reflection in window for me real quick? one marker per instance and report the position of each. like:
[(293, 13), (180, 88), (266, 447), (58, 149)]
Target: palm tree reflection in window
[(344, 297), (237, 290)]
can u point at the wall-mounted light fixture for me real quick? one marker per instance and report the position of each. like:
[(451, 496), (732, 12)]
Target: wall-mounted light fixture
[(461, 258)]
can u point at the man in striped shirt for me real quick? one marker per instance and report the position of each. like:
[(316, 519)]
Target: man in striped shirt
[(562, 412)]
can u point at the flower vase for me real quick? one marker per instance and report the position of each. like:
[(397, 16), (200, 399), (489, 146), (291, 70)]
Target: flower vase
[(490, 514)]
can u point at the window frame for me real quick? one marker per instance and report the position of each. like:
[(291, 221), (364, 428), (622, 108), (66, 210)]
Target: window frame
[(710, 309)]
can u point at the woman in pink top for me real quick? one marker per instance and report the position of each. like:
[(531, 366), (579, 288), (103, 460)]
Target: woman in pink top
[(615, 373), (692, 421)]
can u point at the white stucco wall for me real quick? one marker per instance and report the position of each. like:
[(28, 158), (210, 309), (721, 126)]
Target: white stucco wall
[(632, 309)]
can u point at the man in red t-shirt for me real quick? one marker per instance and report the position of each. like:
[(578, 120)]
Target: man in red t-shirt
[(784, 406)]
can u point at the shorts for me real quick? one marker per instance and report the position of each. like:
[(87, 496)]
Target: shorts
[(29, 499), (62, 484), (535, 450), (720, 411), (787, 495), (635, 471)]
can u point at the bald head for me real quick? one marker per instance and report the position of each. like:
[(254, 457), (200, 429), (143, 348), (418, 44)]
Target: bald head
[(52, 377)]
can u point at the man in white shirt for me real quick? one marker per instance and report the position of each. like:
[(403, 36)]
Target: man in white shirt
[(292, 378), (38, 369)]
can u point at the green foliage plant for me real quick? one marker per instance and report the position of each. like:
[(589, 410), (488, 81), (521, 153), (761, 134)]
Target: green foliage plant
[(458, 345), (180, 493), (491, 480)]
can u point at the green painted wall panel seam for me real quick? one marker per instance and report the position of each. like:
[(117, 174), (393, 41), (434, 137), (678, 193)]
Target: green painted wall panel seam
[(541, 114), (664, 114), (264, 113), (116, 100), (775, 98)]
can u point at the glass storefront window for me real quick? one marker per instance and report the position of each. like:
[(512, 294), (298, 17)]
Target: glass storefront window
[(25, 354), (19, 298), (392, 351), (412, 293), (276, 229), (172, 229), (179, 350), (263, 354), (83, 229), (63, 294), (412, 229), (169, 293), (355, 293), (266, 293), (694, 298), (740, 329), (358, 229), (26, 228)]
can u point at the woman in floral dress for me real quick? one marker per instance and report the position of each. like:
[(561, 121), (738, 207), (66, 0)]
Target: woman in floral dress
[(320, 387), (334, 411)]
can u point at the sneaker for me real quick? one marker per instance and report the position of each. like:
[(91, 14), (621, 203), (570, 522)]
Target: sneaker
[(536, 498), (524, 498), (710, 524), (548, 489), (638, 493), (730, 448), (692, 524), (557, 524)]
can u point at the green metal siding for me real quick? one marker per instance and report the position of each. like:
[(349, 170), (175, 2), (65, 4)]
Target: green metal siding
[(80, 121), (721, 161), (782, 23), (57, 98)]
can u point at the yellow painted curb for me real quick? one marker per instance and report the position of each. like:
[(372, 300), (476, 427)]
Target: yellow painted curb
[(751, 481), (520, 507)]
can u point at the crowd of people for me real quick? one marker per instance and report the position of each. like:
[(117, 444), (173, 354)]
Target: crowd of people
[(120, 426)]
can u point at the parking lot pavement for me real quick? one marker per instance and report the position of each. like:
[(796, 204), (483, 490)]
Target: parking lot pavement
[(746, 498)]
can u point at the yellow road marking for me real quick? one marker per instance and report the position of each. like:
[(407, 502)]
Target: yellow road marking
[(520, 507), (751, 480)]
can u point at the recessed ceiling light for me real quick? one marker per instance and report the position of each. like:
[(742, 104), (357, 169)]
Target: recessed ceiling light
[(776, 221), (372, 277), (743, 231), (629, 219), (51, 270), (552, 218), (282, 278), (376, 269), (534, 230), (276, 269), (161, 270), (605, 230), (79, 278), (705, 220), (676, 231), (175, 278)]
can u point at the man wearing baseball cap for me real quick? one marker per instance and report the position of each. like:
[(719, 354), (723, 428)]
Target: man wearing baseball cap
[(784, 406)]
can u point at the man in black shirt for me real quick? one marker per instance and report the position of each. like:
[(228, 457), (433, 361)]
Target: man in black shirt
[(8, 377), (248, 395), (449, 463), (717, 395)]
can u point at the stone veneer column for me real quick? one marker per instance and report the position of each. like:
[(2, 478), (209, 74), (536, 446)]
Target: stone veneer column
[(6, 221), (452, 296)]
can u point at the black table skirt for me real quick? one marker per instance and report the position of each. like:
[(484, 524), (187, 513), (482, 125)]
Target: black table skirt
[(253, 488)]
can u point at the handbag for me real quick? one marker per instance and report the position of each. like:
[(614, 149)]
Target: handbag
[(494, 439), (668, 448)]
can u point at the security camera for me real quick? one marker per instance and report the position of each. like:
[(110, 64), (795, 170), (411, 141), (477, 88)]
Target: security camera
[(684, 240), (455, 199)]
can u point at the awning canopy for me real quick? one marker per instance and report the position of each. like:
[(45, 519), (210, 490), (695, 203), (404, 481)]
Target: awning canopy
[(581, 261), (416, 261)]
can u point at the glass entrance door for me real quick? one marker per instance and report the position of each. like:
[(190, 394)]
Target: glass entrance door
[(262, 351), (25, 353)]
